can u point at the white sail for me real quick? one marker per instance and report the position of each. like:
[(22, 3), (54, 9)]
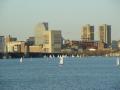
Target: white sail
[(78, 55), (50, 56), (61, 60), (118, 62), (73, 56), (21, 60), (58, 56)]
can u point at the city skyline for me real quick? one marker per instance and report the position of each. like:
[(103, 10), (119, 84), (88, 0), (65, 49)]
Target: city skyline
[(19, 18)]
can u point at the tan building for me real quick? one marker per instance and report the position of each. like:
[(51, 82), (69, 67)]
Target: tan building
[(87, 33), (9, 39), (105, 34), (35, 49), (50, 40), (39, 33), (101, 45), (16, 47)]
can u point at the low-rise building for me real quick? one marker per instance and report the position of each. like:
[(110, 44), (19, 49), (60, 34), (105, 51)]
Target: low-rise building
[(30, 41), (101, 45), (85, 45), (115, 45), (16, 47), (35, 49), (9, 39), (119, 44)]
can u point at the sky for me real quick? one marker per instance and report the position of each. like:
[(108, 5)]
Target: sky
[(20, 17)]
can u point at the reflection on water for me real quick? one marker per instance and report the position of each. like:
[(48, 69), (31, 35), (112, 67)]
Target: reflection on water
[(89, 73)]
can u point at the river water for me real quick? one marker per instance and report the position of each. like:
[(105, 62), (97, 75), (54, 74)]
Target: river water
[(88, 73)]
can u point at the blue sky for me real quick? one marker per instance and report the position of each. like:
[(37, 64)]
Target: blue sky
[(19, 17)]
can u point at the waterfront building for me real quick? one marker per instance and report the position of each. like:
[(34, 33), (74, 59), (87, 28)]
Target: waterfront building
[(119, 44), (35, 49), (2, 44), (87, 33), (30, 41), (16, 47), (85, 45), (40, 29), (55, 41), (50, 40), (115, 45), (101, 45), (105, 34), (9, 39)]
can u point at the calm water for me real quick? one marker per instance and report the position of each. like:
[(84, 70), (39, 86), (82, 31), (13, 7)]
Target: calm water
[(89, 73)]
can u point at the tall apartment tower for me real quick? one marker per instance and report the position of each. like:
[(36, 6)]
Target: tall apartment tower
[(87, 33), (41, 28), (105, 34)]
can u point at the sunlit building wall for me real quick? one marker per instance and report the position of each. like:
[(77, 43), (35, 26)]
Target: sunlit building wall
[(87, 33), (39, 32), (105, 34)]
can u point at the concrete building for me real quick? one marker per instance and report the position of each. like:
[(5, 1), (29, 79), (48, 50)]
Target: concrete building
[(115, 45), (52, 41), (105, 34), (2, 44), (119, 44), (49, 40), (87, 33), (101, 45), (55, 41), (30, 41), (85, 45), (39, 32), (9, 39), (35, 49), (16, 47)]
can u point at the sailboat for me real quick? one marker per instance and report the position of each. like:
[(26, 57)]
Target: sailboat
[(78, 56), (21, 60), (118, 62), (50, 56), (61, 60), (73, 56)]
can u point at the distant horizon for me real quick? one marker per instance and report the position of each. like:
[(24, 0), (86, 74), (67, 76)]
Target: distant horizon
[(20, 17)]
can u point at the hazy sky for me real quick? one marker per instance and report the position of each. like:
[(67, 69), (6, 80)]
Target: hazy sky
[(19, 17)]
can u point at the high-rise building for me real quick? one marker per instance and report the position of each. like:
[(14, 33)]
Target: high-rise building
[(55, 41), (105, 34), (50, 41), (87, 33), (39, 32)]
